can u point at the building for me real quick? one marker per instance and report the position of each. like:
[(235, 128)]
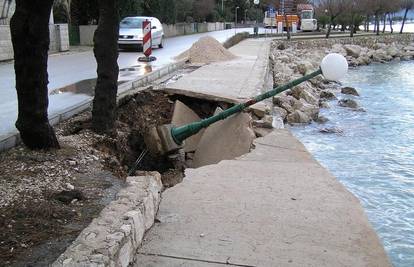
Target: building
[(59, 34)]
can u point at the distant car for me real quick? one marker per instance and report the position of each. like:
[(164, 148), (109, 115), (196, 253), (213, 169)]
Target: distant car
[(131, 35)]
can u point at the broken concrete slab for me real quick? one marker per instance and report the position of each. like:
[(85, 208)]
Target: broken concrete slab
[(275, 206), (260, 109), (184, 115), (225, 139)]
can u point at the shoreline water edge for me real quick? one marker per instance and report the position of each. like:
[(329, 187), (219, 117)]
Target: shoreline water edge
[(291, 60)]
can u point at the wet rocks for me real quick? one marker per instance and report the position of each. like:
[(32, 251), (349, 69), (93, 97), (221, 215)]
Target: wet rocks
[(349, 91), (348, 103), (301, 104), (327, 95), (353, 50), (298, 117), (331, 130), (322, 119)]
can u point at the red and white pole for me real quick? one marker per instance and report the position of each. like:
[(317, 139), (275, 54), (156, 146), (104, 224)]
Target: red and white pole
[(147, 42)]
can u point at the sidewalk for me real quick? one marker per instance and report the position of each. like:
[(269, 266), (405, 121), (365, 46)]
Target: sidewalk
[(233, 81), (275, 206)]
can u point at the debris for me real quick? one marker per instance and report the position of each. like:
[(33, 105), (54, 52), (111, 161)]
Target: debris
[(67, 197), (70, 186)]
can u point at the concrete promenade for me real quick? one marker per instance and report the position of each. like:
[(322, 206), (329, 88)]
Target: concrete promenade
[(275, 206), (235, 80)]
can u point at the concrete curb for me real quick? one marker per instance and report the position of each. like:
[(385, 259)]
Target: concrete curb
[(113, 238), (13, 139)]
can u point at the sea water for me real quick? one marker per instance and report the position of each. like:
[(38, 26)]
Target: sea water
[(373, 155)]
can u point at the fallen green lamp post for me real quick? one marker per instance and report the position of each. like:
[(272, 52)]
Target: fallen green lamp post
[(166, 139)]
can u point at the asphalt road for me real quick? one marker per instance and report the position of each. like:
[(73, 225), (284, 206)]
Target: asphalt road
[(69, 68)]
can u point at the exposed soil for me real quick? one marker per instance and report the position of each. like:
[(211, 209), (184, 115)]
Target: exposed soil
[(48, 197)]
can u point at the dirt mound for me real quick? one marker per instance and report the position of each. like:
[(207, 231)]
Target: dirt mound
[(207, 50)]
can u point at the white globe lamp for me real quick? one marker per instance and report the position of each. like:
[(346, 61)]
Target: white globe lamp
[(334, 67)]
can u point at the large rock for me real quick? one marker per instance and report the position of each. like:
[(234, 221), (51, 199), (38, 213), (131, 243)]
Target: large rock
[(348, 103), (327, 95), (338, 48), (281, 112), (298, 117), (349, 91), (381, 55), (183, 115), (322, 119), (283, 102), (379, 45), (308, 97), (331, 130), (311, 110), (393, 51), (284, 58), (304, 67), (353, 50), (409, 48), (363, 60), (227, 139)]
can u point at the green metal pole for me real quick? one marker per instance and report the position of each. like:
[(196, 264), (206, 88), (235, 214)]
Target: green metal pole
[(179, 134)]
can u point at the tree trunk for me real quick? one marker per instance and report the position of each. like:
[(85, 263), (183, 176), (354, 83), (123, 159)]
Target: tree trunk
[(404, 19), (106, 54), (30, 37), (385, 23), (377, 23), (329, 31), (391, 27), (367, 24), (287, 27), (352, 26)]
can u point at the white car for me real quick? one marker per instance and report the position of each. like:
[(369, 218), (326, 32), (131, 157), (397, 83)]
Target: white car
[(131, 35)]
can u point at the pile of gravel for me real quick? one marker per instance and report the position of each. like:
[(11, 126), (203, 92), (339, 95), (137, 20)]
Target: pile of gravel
[(206, 50)]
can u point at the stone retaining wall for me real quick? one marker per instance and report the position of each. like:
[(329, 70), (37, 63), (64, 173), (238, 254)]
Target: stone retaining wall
[(367, 41), (86, 31), (59, 40), (113, 238)]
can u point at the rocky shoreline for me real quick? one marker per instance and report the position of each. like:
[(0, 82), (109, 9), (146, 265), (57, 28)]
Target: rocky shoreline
[(291, 60)]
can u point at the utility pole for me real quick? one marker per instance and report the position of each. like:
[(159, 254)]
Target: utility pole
[(235, 21)]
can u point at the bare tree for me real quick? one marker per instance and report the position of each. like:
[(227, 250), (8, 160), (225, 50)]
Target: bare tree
[(30, 37), (106, 54), (203, 8), (334, 8), (407, 5), (353, 9)]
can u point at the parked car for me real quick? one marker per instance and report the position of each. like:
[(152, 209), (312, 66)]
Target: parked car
[(131, 35)]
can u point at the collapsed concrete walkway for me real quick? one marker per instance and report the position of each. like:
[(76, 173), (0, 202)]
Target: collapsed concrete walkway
[(275, 206)]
